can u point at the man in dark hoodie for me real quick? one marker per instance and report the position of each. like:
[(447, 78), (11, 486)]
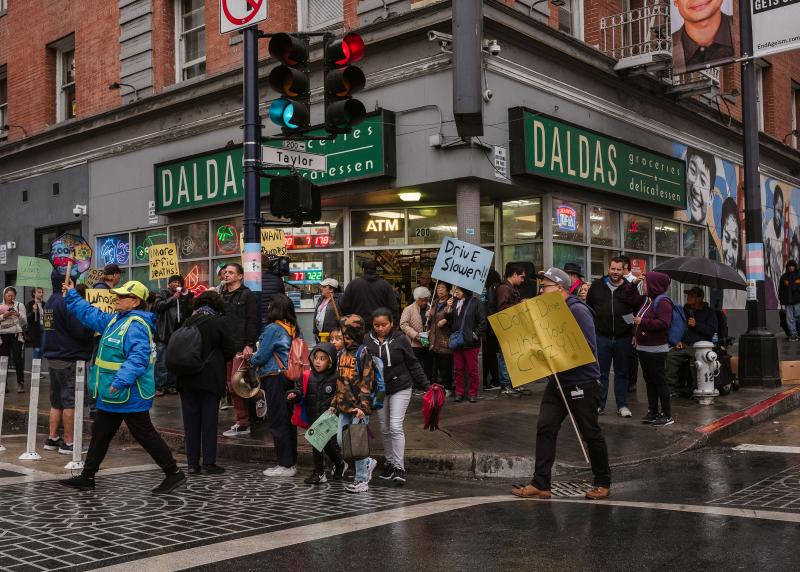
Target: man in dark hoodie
[(66, 341), (172, 307), (789, 296), (701, 325), (582, 391), (366, 294)]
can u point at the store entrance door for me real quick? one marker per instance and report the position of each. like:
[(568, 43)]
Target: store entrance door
[(404, 269)]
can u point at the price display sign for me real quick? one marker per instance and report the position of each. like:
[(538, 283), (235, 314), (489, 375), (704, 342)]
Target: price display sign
[(308, 237), (306, 273)]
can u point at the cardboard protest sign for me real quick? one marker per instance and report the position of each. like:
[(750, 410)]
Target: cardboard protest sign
[(93, 276), (163, 261), (102, 299), (462, 264), (540, 337), (273, 242), (33, 272), (322, 430)]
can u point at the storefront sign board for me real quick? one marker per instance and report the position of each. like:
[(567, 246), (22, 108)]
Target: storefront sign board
[(463, 264), (163, 261), (540, 337), (547, 147), (218, 177), (34, 272)]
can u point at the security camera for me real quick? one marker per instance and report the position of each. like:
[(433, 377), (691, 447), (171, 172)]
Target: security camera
[(494, 48), (487, 95), (79, 210), (434, 36)]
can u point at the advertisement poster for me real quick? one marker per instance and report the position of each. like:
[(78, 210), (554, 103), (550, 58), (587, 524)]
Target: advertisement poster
[(702, 34)]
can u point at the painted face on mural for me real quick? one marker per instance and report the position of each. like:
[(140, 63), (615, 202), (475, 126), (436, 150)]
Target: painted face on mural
[(777, 213), (699, 184), (730, 241)]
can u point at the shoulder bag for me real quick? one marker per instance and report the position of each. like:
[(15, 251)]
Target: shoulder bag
[(456, 341)]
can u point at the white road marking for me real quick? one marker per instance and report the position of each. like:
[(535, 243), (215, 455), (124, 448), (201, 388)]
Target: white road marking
[(767, 448)]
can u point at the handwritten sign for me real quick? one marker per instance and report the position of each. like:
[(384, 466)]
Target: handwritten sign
[(93, 276), (163, 261), (273, 242), (540, 337), (322, 430), (462, 264), (102, 299), (34, 272)]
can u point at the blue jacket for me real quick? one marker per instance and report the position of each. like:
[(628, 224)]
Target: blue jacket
[(137, 347), (274, 338), (704, 329), (66, 337)]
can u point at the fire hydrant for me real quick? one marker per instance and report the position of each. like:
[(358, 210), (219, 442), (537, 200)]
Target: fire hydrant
[(707, 370)]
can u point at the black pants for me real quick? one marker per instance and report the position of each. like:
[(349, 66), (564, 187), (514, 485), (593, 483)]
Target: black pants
[(279, 420), (654, 370), (200, 416), (12, 348), (633, 371), (444, 369), (552, 412), (332, 450), (425, 359), (490, 365), (106, 425)]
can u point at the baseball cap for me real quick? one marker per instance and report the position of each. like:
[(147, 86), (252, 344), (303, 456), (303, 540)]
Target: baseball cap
[(557, 276), (110, 269), (133, 288), (330, 282)]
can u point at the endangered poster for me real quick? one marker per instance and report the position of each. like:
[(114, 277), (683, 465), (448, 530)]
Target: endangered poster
[(540, 337), (273, 242), (462, 264), (322, 430), (34, 272), (776, 26), (102, 299), (702, 34), (163, 261)]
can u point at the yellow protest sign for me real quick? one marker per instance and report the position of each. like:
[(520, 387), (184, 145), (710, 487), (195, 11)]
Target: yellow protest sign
[(540, 337), (163, 260), (273, 242), (102, 299)]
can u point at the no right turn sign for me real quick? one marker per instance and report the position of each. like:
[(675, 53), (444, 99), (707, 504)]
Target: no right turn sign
[(237, 14)]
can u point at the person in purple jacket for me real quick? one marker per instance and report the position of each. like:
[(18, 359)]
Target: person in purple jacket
[(652, 323)]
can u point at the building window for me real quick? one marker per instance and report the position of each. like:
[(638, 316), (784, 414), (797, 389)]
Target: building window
[(316, 14), (65, 78), (3, 100), (795, 113), (3, 7), (190, 21), (570, 18), (44, 237)]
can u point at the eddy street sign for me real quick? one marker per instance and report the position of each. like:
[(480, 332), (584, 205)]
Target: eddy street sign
[(237, 14), (293, 159)]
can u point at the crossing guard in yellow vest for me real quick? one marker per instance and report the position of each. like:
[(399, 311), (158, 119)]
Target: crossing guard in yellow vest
[(122, 381)]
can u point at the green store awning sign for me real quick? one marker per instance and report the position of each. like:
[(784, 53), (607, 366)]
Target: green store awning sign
[(541, 145), (218, 177)]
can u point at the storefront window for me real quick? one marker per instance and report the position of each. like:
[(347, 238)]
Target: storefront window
[(378, 227), (487, 224), (601, 260), (524, 253), (568, 223), (563, 253), (667, 237), (401, 268), (113, 249), (144, 239), (191, 240), (522, 220), (142, 274), (604, 227), (637, 231), (429, 225), (195, 275), (692, 241), (309, 269), (226, 237)]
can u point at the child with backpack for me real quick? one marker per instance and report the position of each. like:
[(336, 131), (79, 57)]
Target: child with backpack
[(353, 399), (652, 323), (401, 372), (314, 394)]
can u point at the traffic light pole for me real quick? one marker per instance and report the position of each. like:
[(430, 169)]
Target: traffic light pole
[(758, 348), (251, 254)]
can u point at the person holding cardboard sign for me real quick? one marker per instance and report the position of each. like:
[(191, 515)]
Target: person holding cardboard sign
[(578, 396)]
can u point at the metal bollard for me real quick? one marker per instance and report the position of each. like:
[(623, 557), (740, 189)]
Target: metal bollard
[(3, 376), (77, 441), (33, 413)]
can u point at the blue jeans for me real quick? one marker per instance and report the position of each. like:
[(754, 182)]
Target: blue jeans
[(618, 351), (502, 370), (37, 353), (163, 378), (362, 466), (792, 317)]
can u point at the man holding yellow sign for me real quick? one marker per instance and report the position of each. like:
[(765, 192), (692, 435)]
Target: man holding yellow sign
[(553, 336)]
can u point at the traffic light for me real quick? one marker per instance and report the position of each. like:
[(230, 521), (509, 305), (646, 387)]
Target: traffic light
[(342, 80), (291, 80), (294, 197)]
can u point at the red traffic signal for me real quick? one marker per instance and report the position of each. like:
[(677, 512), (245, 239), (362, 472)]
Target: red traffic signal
[(347, 50), (342, 80)]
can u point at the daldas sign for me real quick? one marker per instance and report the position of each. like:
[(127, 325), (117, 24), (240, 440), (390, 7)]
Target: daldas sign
[(218, 177), (547, 147)]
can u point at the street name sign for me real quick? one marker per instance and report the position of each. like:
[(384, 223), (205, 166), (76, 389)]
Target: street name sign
[(294, 159), (237, 14)]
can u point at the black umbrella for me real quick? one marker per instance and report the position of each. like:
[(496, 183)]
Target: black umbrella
[(703, 272)]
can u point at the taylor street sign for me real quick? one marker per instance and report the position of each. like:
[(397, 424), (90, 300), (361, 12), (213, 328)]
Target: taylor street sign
[(547, 147), (293, 159), (237, 14)]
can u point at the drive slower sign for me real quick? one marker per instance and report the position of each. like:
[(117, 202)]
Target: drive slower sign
[(237, 14), (462, 264)]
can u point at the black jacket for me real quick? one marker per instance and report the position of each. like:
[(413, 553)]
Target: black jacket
[(65, 337), (609, 307), (33, 334), (321, 386), (329, 322), (474, 322), (271, 284), (366, 294), (400, 365), (240, 313), (166, 308), (789, 288), (705, 327), (217, 339)]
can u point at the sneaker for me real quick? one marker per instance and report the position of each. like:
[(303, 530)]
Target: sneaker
[(53, 444), (597, 493), (399, 477), (418, 392), (601, 411), (372, 464), (625, 412), (339, 471), (524, 391), (510, 392), (357, 487), (159, 393), (261, 404), (492, 388), (213, 469), (170, 483), (280, 471), (171, 391), (650, 417), (458, 399), (316, 478), (20, 388), (193, 469), (663, 421), (237, 430), (223, 406), (388, 472), (65, 449), (473, 399), (80, 483)]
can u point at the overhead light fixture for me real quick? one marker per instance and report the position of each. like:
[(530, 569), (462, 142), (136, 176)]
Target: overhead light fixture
[(387, 214), (410, 197)]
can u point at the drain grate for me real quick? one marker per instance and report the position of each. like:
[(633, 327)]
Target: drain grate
[(570, 488)]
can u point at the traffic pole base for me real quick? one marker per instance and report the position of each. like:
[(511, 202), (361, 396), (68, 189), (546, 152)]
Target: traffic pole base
[(30, 456), (73, 465), (759, 362)]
